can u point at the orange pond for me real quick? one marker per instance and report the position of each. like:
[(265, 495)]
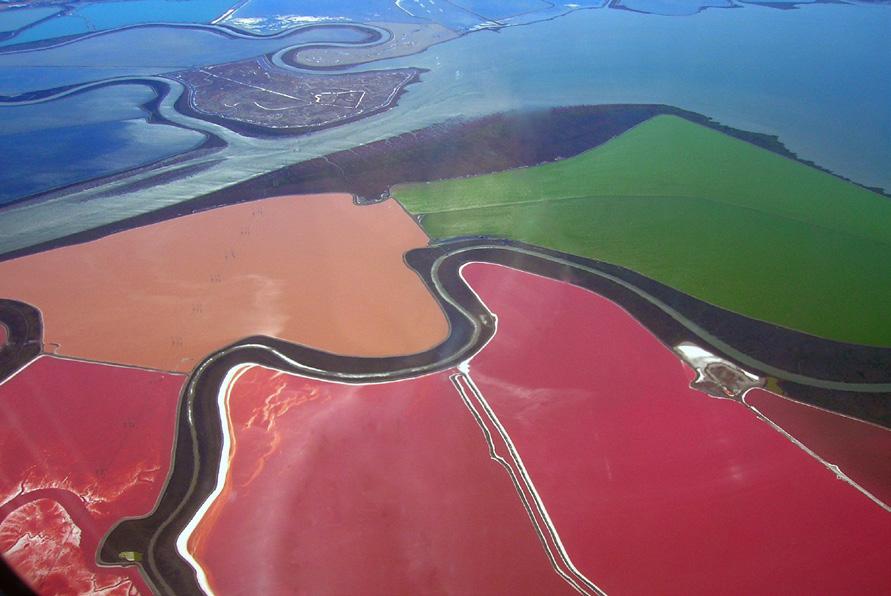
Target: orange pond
[(311, 269)]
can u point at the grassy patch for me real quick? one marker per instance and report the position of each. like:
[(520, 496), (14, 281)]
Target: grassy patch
[(710, 215)]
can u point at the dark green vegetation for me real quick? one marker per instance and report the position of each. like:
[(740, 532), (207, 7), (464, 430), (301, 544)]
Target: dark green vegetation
[(713, 216), (452, 149)]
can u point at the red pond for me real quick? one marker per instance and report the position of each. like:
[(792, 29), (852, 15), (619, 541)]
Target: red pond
[(862, 451), (378, 489), (635, 481), (81, 446), (652, 486)]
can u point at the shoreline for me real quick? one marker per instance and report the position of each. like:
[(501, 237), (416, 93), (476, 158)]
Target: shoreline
[(484, 145)]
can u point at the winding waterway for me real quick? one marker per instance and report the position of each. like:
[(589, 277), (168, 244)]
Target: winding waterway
[(793, 74)]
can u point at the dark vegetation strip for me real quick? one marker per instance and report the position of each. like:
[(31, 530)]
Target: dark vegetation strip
[(450, 150), (24, 335)]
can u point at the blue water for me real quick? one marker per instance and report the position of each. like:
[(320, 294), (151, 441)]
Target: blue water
[(100, 16), (673, 7), (445, 13), (52, 144), (497, 9), (817, 77), (270, 16), (794, 73), (273, 16), (16, 18), (121, 102), (558, 9), (143, 51), (795, 2), (689, 7)]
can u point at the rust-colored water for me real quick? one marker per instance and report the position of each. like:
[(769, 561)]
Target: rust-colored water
[(311, 269), (654, 487), (82, 445), (364, 489)]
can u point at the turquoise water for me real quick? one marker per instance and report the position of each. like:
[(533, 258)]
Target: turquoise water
[(101, 16)]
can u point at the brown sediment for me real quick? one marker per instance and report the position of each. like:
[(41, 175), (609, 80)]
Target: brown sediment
[(231, 95), (309, 269), (407, 39)]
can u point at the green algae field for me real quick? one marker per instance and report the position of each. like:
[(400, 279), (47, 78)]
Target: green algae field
[(713, 216)]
